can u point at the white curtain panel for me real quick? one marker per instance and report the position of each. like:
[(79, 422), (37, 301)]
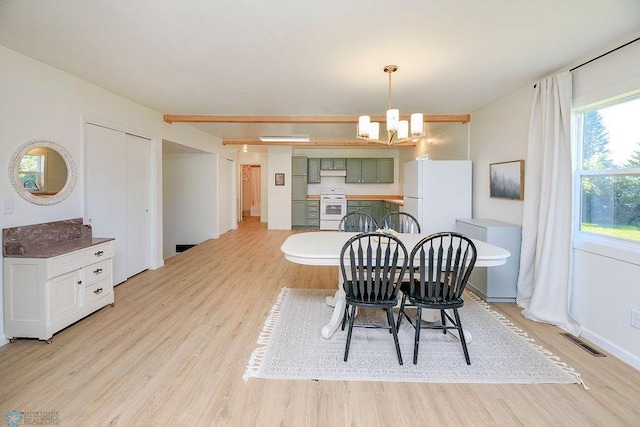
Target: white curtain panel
[(545, 261)]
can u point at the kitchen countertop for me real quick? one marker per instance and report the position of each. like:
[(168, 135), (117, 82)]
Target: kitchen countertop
[(391, 198)]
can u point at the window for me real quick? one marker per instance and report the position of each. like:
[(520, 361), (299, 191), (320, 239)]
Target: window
[(31, 171), (608, 171)]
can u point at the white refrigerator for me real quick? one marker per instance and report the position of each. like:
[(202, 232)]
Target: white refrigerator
[(437, 192)]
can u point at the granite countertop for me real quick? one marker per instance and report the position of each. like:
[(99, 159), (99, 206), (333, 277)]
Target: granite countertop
[(49, 239), (61, 248)]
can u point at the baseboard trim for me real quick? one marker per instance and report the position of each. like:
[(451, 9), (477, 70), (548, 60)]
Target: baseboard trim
[(620, 353)]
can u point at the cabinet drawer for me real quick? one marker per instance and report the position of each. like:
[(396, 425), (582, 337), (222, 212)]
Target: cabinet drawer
[(75, 260), (97, 290), (96, 272), (313, 222), (313, 215)]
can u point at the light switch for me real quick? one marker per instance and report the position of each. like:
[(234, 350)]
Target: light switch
[(8, 207)]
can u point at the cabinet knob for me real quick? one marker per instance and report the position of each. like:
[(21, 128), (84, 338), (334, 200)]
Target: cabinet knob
[(97, 271), (99, 253), (98, 291), (79, 282)]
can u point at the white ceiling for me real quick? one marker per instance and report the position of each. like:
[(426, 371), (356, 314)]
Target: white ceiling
[(286, 57)]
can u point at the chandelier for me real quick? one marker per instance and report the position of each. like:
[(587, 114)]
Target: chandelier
[(397, 130)]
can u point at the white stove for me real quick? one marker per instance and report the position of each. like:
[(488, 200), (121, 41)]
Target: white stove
[(333, 206)]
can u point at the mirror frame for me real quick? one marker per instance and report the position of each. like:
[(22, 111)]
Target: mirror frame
[(14, 178)]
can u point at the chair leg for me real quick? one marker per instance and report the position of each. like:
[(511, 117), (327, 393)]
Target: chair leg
[(416, 341), (462, 339), (345, 315), (444, 321), (351, 319), (401, 312), (395, 334)]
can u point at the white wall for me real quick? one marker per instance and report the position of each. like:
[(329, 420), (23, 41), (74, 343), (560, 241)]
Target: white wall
[(41, 102), (279, 203), (605, 282), (499, 133), (444, 141), (189, 202), (604, 289)]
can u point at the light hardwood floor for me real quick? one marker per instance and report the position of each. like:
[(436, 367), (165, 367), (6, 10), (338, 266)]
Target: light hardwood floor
[(175, 346)]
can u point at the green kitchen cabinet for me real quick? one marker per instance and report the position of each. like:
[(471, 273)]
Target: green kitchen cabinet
[(299, 165), (313, 171), (384, 171), (370, 171), (354, 171), (333, 164), (299, 187), (365, 206), (313, 214), (299, 213)]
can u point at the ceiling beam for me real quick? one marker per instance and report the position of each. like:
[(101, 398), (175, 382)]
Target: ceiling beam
[(224, 118), (320, 143)]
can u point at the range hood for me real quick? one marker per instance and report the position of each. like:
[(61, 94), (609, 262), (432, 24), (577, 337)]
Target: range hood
[(333, 173)]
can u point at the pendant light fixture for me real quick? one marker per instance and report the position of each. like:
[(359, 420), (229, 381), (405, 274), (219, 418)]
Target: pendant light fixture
[(397, 130)]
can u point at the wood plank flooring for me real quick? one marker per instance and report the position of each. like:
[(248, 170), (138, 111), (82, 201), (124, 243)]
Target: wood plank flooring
[(175, 346)]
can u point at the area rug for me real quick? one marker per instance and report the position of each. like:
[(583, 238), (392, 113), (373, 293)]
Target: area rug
[(291, 347)]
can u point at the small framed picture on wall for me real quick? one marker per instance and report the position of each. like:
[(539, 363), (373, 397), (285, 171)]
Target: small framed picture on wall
[(279, 178)]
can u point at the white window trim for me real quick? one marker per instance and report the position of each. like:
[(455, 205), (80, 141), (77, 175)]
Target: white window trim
[(610, 247)]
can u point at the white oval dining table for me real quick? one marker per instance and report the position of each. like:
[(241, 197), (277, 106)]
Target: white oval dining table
[(324, 247)]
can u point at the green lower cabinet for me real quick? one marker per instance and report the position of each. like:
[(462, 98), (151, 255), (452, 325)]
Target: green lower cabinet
[(298, 213), (365, 206), (313, 214)]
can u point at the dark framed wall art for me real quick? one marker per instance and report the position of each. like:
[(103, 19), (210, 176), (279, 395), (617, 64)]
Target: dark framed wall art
[(279, 178), (506, 180)]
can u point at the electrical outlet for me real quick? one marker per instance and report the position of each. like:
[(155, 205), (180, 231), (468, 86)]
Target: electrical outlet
[(635, 318)]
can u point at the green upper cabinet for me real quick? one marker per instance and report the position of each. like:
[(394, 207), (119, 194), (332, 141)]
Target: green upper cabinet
[(298, 165), (313, 171), (333, 164), (369, 171), (354, 171), (384, 171)]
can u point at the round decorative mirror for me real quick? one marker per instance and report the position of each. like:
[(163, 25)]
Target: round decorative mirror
[(42, 172)]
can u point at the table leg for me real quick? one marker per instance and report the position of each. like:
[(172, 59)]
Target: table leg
[(339, 303), (331, 301)]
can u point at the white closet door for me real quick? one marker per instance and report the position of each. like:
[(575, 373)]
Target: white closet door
[(137, 184), (106, 191), (117, 196)]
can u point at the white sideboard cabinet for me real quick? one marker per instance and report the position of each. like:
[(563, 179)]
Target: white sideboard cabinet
[(494, 284), (44, 295)]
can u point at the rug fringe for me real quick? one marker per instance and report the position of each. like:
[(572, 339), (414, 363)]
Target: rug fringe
[(552, 357), (265, 336)]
